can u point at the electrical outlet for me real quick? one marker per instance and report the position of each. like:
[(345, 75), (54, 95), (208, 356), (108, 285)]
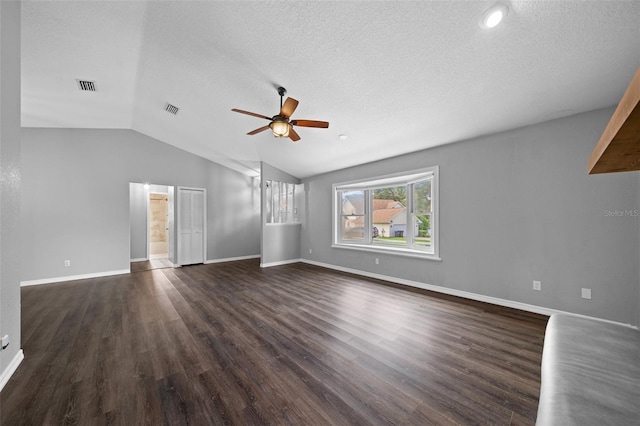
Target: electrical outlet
[(586, 293), (537, 285), (377, 261), (310, 251), (67, 263)]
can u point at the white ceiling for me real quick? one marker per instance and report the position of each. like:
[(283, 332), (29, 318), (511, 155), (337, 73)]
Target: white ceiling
[(394, 76)]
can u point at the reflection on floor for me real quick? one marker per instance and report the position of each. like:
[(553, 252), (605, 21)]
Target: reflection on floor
[(147, 265)]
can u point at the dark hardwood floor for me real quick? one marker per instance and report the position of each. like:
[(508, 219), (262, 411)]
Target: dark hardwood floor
[(297, 344)]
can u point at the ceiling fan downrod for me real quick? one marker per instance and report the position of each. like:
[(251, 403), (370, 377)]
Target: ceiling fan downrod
[(281, 91)]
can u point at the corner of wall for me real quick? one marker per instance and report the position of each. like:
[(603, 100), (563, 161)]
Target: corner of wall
[(10, 186)]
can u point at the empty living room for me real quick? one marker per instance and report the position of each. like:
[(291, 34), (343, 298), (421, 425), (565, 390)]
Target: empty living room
[(319, 213)]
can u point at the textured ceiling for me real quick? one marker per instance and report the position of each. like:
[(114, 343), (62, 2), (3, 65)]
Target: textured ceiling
[(394, 76)]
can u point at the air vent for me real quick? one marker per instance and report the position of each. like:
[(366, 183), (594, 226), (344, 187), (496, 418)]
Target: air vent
[(172, 109), (86, 86)]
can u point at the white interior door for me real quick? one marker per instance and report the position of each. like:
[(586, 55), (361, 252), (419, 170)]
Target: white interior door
[(191, 226)]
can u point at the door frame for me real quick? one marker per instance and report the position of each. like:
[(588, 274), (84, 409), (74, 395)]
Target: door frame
[(179, 190)]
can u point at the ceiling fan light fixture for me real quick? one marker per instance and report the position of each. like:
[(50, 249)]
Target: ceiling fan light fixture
[(280, 128)]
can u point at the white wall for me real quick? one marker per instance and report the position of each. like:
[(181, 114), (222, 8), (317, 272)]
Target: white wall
[(9, 186), (75, 199), (514, 207)]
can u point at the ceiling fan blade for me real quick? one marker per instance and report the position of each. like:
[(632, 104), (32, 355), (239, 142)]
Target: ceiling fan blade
[(310, 123), (289, 106), (251, 113), (261, 129), (293, 135)]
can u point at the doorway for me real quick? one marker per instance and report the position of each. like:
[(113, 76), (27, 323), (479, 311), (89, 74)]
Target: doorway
[(158, 226), (151, 221)]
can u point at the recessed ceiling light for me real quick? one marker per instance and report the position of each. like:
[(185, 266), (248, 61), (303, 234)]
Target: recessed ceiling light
[(342, 137), (494, 15)]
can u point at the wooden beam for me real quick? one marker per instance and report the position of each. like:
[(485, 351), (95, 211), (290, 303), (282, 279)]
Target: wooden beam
[(618, 149)]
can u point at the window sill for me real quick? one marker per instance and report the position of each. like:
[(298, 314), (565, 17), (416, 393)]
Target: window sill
[(390, 250)]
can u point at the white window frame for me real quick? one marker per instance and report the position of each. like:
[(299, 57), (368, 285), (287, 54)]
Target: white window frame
[(397, 179)]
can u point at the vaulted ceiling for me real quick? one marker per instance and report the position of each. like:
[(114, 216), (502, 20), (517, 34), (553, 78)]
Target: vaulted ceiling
[(393, 76)]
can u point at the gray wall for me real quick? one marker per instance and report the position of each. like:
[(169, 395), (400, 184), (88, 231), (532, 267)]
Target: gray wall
[(75, 198), (233, 207), (9, 179), (280, 242), (514, 207), (137, 221)]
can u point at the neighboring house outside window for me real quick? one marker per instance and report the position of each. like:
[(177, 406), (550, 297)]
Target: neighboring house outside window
[(397, 214)]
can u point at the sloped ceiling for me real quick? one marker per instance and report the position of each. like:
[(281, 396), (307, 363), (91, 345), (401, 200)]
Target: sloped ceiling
[(394, 76)]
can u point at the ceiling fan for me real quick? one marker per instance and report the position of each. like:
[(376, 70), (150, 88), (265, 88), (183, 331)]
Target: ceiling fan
[(281, 125)]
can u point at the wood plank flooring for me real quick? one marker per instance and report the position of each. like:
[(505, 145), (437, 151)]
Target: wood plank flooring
[(233, 343), (147, 265)]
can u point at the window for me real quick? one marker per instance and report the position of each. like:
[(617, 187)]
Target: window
[(396, 214), (280, 202)]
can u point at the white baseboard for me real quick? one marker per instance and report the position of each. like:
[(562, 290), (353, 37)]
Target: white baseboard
[(232, 259), (141, 259), (465, 294), (11, 368), (74, 277), (282, 262)]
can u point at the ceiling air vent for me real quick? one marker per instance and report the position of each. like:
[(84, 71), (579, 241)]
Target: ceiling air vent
[(86, 86), (172, 109)]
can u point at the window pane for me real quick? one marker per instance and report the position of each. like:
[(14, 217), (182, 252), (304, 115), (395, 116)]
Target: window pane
[(390, 215), (352, 228), (276, 202), (422, 197), (423, 236), (283, 207), (280, 200), (268, 195), (352, 216), (422, 213), (352, 202)]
